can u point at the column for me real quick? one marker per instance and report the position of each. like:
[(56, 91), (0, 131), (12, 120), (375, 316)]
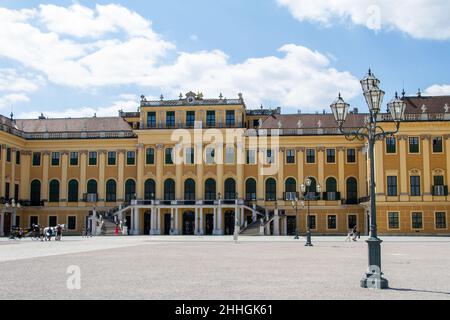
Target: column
[(196, 221), (158, 219), (341, 171), (199, 163), (140, 171), (280, 179), (300, 162), (137, 221), (121, 176), (159, 171), (83, 164), (321, 165), (45, 165), (12, 185), (177, 221), (240, 160), (426, 168), (268, 224), (25, 175), (154, 221), (219, 221), (284, 226), (362, 164), (101, 176), (132, 222), (202, 230), (172, 222), (260, 182), (403, 172), (3, 172), (64, 165), (276, 224), (179, 179), (447, 152)]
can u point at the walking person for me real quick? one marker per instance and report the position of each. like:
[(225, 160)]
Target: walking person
[(58, 233), (355, 233), (41, 233), (116, 231)]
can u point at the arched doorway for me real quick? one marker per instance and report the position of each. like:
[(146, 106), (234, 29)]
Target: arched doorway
[(189, 223), (229, 223), (147, 222)]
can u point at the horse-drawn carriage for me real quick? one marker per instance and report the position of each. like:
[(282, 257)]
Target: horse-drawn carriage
[(35, 233)]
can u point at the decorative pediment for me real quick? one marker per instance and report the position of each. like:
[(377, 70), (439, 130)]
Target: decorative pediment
[(438, 172), (414, 172)]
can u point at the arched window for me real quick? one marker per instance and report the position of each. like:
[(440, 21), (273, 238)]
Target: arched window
[(111, 191), (331, 185), (92, 187), (271, 190), (230, 189), (54, 191), (169, 190), (149, 189), (210, 189), (250, 189), (290, 189), (189, 190), (352, 191), (331, 191), (73, 191), (311, 191), (35, 193), (130, 190)]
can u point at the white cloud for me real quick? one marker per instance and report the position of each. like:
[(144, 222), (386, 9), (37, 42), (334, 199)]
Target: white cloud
[(113, 46), (421, 19), (125, 102), (11, 80), (438, 90), (8, 100)]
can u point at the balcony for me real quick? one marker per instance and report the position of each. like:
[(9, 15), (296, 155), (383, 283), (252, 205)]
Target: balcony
[(90, 197), (352, 201), (440, 191), (291, 196), (332, 196)]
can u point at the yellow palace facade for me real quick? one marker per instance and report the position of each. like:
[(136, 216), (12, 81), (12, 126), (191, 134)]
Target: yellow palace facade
[(81, 172)]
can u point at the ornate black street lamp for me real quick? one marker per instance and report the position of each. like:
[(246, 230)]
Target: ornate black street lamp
[(373, 133), (309, 195), (295, 206)]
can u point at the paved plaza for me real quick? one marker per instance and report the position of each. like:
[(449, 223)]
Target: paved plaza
[(218, 268)]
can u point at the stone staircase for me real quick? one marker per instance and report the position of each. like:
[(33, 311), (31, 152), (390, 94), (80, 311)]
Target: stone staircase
[(108, 228)]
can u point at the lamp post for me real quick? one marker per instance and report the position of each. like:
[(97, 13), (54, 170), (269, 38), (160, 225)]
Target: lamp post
[(307, 195), (373, 133), (237, 225), (295, 206)]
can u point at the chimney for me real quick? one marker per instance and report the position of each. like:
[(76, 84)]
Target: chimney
[(355, 110), (419, 93)]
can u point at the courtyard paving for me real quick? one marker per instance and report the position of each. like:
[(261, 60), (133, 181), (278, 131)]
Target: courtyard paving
[(275, 268)]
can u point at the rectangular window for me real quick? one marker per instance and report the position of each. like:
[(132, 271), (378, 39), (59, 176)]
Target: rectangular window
[(190, 119), (392, 186), (230, 118), (391, 145), (18, 157), (190, 156), (36, 159), (150, 156), (34, 220), (131, 158), (92, 158), (55, 158), (290, 156), (255, 123), (352, 221), (441, 220), (332, 225), (168, 156), (437, 145), (170, 119), (251, 157), (351, 156), (210, 154), (310, 156), (210, 118), (415, 186), (438, 188), (229, 155), (312, 222), (270, 157), (151, 119), (52, 221), (112, 155), (331, 156), (414, 145), (8, 154), (394, 222), (71, 223), (74, 158), (417, 220)]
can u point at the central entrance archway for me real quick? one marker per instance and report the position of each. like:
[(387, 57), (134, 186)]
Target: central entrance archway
[(229, 223), (189, 223), (147, 223)]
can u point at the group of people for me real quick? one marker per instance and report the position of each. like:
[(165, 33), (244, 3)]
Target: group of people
[(37, 232), (353, 234)]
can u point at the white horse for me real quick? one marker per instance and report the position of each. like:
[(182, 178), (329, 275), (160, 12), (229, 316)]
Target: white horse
[(50, 232)]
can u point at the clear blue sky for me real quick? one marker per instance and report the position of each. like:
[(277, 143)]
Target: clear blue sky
[(240, 29)]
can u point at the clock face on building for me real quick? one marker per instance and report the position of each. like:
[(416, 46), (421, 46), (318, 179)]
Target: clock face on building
[(191, 99)]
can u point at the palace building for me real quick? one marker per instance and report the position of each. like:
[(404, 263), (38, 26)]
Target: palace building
[(74, 171)]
